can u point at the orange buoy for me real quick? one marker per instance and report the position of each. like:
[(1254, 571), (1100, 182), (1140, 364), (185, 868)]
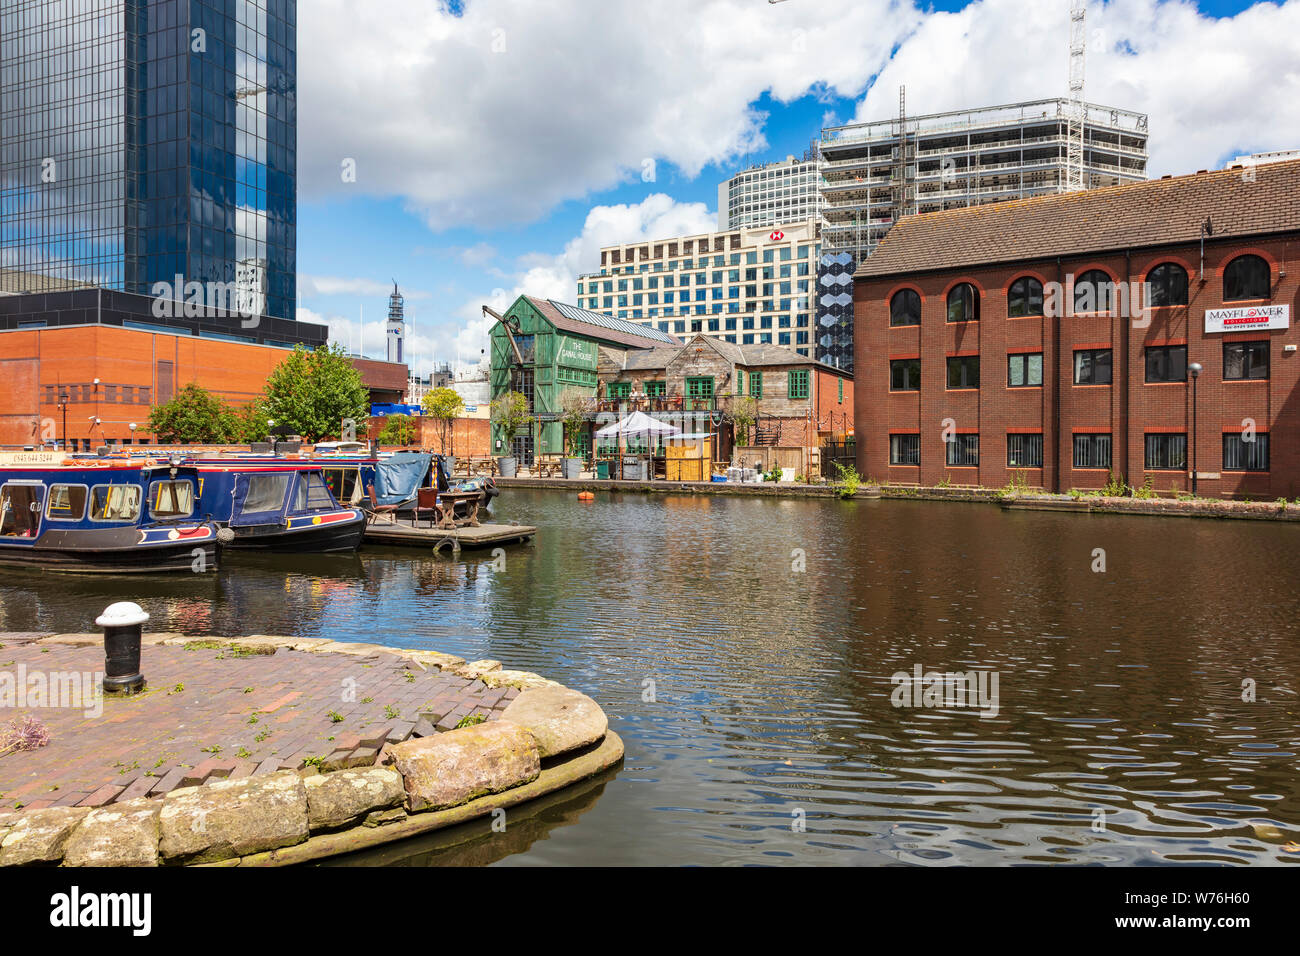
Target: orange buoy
[(586, 496)]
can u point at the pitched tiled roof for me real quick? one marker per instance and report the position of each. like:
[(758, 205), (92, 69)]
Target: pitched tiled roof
[(1158, 212), (570, 318), (747, 356)]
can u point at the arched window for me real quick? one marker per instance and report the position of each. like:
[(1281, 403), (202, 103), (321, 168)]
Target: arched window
[(1093, 292), (963, 303), (1168, 285), (1025, 297), (1247, 277), (905, 308)]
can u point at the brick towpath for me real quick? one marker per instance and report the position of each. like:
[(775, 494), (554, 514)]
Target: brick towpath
[(214, 710)]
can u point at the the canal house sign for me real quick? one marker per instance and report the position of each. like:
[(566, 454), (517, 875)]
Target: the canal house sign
[(577, 353), (1249, 319)]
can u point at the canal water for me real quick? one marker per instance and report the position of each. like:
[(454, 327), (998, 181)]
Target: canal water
[(745, 650)]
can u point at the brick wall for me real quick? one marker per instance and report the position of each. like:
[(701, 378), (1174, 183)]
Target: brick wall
[(470, 436), (133, 368), (1128, 409)]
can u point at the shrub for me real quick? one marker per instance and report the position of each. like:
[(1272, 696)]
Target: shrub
[(846, 486)]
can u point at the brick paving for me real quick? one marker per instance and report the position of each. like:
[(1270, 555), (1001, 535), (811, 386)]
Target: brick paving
[(213, 712)]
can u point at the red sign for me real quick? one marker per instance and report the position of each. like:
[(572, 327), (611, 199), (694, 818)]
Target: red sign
[(777, 235)]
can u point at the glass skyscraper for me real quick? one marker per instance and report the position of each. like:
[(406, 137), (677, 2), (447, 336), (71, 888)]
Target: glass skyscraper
[(145, 139)]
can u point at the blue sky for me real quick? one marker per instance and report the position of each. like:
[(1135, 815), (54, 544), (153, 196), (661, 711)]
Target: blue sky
[(487, 168)]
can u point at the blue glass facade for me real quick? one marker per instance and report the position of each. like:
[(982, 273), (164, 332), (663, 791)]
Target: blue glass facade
[(146, 139)]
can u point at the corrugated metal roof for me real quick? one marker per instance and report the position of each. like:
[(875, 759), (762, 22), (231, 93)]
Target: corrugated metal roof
[(609, 322)]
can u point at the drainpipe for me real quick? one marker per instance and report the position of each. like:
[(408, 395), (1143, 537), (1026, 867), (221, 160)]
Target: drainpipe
[(1056, 351), (1128, 325)]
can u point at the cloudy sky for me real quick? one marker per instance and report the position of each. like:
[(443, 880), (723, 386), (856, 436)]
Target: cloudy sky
[(498, 144)]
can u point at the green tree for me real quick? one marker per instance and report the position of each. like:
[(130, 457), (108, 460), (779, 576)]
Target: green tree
[(444, 405), (251, 422), (194, 416), (574, 405), (310, 393), (510, 412), (744, 412), (397, 430)]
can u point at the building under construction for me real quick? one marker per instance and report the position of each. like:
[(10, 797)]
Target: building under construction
[(874, 173)]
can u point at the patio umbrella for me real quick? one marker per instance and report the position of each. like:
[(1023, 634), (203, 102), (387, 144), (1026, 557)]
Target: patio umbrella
[(637, 424)]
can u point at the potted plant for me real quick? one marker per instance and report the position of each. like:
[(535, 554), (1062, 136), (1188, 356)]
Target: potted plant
[(510, 413), (573, 414)]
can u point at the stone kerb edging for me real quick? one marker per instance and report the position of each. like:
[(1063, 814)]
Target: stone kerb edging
[(423, 784)]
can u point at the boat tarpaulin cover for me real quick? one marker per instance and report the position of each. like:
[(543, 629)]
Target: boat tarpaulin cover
[(398, 476), (260, 498)]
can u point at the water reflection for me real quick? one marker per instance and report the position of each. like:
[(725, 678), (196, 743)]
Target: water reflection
[(753, 695)]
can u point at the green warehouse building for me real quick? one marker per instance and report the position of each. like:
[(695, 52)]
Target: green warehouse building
[(561, 347)]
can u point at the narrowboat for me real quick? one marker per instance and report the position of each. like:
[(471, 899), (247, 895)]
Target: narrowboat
[(103, 517), (278, 505)]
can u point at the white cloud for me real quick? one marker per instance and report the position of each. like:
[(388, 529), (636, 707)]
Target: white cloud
[(309, 285), (463, 334), (478, 255), (555, 276), (498, 115), (1210, 87)]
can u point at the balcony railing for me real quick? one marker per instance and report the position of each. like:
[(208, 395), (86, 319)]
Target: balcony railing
[(660, 403)]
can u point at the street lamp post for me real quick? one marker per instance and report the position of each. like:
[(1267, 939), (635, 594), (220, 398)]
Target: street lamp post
[(63, 404), (133, 426), (1195, 369)]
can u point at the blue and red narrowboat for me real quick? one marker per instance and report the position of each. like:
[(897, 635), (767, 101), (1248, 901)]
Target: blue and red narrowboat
[(103, 517), (277, 505)]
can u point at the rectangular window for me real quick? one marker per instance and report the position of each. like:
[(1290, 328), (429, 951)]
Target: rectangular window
[(905, 375), (1245, 360), (171, 499), (755, 384), (1167, 363), (1025, 451), (1025, 371), (797, 386), (1242, 455), (312, 494), (67, 503), (1092, 451), (1092, 367), (904, 449), (963, 450), (963, 371), (699, 392), (656, 389), (342, 484), (1166, 452), (20, 510), (115, 502)]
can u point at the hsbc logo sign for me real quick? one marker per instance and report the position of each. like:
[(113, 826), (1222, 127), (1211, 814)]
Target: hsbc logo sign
[(776, 235)]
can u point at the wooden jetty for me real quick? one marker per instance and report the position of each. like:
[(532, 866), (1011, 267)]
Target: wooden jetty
[(405, 533)]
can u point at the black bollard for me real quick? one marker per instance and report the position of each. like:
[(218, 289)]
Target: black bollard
[(121, 623)]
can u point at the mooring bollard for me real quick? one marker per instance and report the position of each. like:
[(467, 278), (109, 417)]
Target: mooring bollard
[(121, 623)]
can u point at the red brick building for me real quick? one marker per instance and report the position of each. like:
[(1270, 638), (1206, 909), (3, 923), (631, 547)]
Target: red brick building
[(1052, 337)]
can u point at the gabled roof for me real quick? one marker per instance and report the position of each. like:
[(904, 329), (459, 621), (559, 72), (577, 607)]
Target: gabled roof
[(1154, 213), (570, 318), (747, 356)]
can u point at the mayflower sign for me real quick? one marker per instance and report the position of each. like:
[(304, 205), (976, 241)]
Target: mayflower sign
[(1249, 319)]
